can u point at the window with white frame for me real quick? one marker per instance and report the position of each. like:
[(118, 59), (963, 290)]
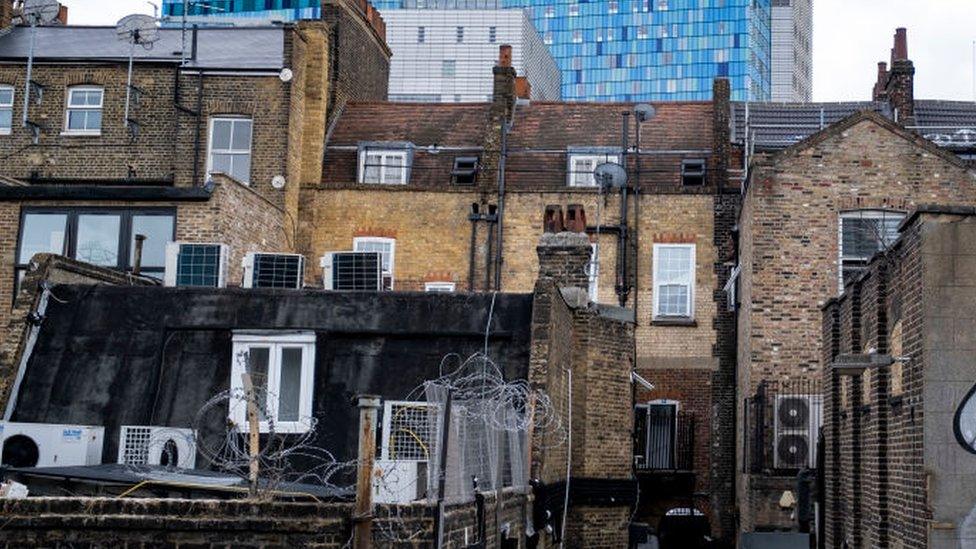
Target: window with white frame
[(581, 168), (864, 233), (230, 147), (444, 287), (83, 115), (6, 109), (674, 281), (384, 167), (386, 247), (593, 272), (281, 372)]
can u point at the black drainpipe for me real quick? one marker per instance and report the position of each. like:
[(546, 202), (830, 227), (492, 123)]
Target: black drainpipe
[(473, 217), (196, 137), (491, 218), (622, 288)]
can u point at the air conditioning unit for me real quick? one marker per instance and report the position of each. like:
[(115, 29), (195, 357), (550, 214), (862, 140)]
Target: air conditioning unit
[(352, 271), (50, 445), (196, 264), (264, 270), (399, 481), (167, 446), (796, 430)]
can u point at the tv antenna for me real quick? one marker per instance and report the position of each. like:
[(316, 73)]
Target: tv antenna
[(136, 29), (35, 13)]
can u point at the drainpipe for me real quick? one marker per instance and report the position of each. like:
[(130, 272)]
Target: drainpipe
[(196, 136), (473, 217), (363, 518), (490, 258), (622, 288), (501, 205)]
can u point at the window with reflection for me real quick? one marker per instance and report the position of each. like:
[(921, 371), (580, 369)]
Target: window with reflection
[(101, 236)]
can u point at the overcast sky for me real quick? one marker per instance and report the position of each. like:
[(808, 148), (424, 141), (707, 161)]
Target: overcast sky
[(849, 38)]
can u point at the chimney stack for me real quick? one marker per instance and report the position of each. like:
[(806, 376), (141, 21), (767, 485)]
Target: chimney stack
[(896, 84), (503, 94), (6, 13), (523, 89), (878, 94)]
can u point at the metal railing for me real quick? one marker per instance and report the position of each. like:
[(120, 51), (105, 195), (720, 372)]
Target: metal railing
[(665, 438)]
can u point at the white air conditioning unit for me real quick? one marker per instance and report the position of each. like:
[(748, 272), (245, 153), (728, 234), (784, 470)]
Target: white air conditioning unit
[(266, 270), (398, 481), (167, 446), (50, 445), (796, 430), (352, 271), (196, 264)]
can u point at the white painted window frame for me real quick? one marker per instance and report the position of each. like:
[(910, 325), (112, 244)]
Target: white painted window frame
[(382, 240), (383, 154), (68, 110), (242, 343), (8, 107), (596, 158), (231, 150), (690, 282)]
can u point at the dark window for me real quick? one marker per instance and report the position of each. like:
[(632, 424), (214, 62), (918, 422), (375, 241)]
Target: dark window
[(492, 34), (863, 234), (465, 170), (421, 35), (693, 172), (102, 236)]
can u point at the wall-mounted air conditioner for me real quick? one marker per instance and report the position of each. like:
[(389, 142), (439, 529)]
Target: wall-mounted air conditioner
[(796, 430), (352, 271), (166, 446), (196, 264), (267, 270), (50, 445)]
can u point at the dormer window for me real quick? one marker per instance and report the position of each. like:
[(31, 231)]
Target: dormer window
[(84, 113), (384, 166), (693, 172), (582, 164), (465, 170)]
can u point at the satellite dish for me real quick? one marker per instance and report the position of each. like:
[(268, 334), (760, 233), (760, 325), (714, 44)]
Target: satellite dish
[(286, 75), (610, 174), (135, 29), (278, 182), (40, 12), (138, 29), (644, 112)]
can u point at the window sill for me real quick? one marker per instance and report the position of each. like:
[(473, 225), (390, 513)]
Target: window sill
[(81, 134), (5, 131), (685, 322)]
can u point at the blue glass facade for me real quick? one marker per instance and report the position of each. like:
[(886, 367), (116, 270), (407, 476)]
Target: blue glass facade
[(621, 50)]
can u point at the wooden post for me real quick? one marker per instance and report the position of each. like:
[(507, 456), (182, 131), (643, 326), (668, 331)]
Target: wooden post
[(363, 518), (253, 433)]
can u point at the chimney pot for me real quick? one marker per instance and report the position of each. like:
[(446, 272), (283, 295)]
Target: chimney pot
[(575, 218), (505, 55), (523, 89), (900, 51), (553, 219)]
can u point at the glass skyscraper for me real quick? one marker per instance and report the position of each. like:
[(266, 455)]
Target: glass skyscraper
[(618, 50)]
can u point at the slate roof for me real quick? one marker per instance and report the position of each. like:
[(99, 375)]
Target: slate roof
[(543, 132), (248, 48), (949, 124)]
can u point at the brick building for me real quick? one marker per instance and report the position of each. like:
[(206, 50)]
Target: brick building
[(232, 125), (899, 403), (813, 213), (456, 195)]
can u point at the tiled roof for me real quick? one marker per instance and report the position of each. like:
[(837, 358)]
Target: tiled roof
[(949, 124), (542, 134), (247, 48), (778, 125)]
